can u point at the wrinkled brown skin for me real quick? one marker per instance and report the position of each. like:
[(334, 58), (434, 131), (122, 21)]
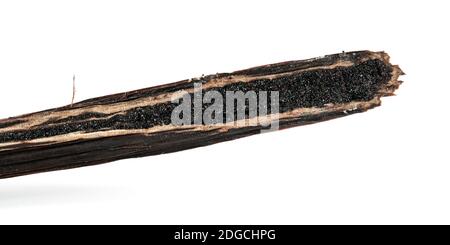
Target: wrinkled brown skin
[(79, 149)]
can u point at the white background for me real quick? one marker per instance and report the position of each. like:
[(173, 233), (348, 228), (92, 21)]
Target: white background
[(386, 166)]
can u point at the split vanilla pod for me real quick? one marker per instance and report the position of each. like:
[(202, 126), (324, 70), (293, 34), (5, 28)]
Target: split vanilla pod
[(139, 123)]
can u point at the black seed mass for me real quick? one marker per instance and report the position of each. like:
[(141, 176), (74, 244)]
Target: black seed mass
[(313, 88)]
